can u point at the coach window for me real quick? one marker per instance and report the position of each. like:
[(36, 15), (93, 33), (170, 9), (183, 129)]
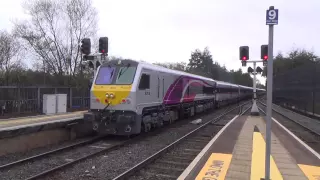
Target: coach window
[(144, 82)]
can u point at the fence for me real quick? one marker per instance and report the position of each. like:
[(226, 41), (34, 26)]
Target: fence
[(29, 100), (299, 89)]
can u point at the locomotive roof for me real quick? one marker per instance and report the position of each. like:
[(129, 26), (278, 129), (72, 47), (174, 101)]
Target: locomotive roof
[(226, 84), (167, 70), (178, 72), (164, 69)]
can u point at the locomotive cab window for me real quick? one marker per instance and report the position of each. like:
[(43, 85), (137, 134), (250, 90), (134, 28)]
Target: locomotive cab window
[(144, 82), (125, 75)]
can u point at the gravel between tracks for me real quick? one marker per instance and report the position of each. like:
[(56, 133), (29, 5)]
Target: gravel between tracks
[(31, 168), (21, 155), (114, 163)]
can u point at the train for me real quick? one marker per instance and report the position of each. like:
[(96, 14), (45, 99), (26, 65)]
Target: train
[(128, 97)]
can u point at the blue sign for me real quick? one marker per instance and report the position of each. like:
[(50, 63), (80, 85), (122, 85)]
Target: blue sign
[(272, 17)]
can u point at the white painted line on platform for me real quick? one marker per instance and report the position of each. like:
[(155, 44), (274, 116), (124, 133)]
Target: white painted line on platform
[(191, 166)]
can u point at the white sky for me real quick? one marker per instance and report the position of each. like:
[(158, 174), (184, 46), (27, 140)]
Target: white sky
[(168, 30)]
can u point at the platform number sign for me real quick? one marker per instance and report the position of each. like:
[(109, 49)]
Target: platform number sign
[(272, 17)]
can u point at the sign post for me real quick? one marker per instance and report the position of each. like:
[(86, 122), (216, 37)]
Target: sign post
[(271, 20)]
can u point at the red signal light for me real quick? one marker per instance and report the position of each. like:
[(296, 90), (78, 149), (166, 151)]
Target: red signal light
[(265, 57), (244, 58), (102, 51)]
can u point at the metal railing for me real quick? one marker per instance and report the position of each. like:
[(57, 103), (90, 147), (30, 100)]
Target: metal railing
[(299, 89), (16, 101)]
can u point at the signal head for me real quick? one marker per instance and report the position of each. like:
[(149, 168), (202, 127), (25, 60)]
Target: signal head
[(259, 70), (264, 52), (85, 46), (244, 53), (103, 45), (250, 70)]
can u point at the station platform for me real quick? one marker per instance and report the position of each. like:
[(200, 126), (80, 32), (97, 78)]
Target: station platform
[(24, 122), (238, 152)]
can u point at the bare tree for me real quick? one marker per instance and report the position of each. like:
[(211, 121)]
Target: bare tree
[(10, 54), (55, 31)]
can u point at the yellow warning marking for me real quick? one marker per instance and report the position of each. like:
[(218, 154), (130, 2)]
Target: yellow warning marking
[(53, 117), (312, 172), (216, 167), (258, 160)]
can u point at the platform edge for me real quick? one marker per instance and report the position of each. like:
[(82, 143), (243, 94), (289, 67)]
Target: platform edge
[(11, 128)]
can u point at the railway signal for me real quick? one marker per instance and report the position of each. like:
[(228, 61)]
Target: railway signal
[(259, 70), (103, 45), (244, 54), (264, 54), (85, 46)]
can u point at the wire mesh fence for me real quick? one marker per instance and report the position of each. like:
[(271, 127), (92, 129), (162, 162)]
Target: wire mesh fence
[(299, 89), (18, 101)]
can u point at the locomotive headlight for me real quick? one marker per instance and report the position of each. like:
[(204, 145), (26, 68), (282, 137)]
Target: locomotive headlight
[(107, 95), (111, 95)]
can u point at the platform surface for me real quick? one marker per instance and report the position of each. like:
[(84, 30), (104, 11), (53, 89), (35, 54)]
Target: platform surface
[(16, 123), (239, 153)]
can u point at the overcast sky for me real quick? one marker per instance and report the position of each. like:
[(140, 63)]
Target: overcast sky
[(168, 30)]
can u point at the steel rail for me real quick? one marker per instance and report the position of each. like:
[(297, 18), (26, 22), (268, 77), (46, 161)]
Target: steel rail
[(50, 152), (304, 126)]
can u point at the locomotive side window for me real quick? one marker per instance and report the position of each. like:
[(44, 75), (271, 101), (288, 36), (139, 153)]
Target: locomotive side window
[(144, 82), (208, 90)]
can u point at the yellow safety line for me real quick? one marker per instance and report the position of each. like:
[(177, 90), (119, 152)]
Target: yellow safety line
[(258, 160), (216, 167), (53, 117), (312, 172)]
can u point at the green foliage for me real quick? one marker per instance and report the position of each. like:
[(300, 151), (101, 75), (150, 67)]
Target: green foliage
[(201, 63), (21, 77), (295, 58)]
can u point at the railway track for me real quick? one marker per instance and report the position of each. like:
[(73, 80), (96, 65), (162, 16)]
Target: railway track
[(171, 161), (54, 160), (43, 164), (300, 129), (51, 152), (306, 124)]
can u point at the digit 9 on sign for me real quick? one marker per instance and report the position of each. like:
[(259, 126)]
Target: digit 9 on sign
[(272, 14)]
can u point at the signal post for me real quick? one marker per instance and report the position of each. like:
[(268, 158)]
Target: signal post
[(93, 61), (244, 57)]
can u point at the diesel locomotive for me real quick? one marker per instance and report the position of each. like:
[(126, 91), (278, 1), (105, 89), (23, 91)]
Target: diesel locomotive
[(128, 97)]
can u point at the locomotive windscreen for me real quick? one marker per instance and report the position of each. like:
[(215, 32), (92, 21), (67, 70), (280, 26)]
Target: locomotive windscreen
[(115, 75)]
